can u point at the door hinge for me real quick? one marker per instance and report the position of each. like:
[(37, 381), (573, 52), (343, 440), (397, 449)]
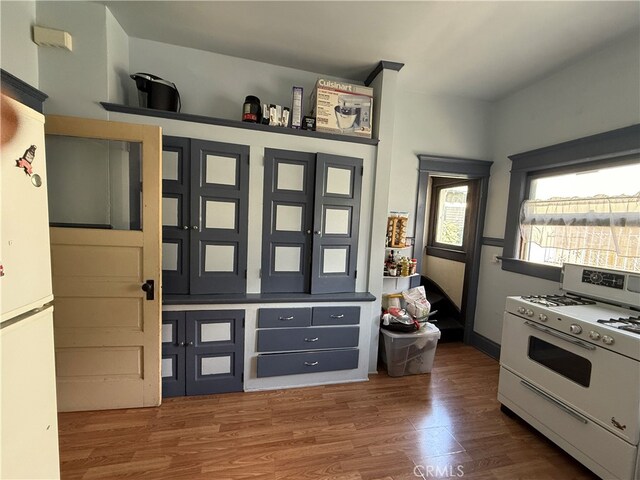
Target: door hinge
[(243, 322), (242, 377), (356, 274), (361, 171), (245, 274), (260, 273)]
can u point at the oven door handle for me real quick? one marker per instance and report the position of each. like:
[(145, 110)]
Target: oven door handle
[(557, 403), (560, 335)]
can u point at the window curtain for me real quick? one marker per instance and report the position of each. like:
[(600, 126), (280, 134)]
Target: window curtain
[(590, 223)]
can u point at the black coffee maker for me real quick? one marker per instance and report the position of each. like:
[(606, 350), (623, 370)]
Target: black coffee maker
[(157, 93)]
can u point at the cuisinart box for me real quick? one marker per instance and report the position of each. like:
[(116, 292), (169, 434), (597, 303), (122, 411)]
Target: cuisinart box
[(343, 108)]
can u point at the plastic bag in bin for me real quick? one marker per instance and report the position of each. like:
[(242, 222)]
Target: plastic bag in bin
[(416, 302)]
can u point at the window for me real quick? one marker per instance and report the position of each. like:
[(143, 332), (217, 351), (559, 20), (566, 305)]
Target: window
[(590, 217), (575, 202), (451, 213), (451, 208)]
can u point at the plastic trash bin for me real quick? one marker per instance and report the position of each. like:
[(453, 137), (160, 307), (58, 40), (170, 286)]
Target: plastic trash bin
[(409, 353)]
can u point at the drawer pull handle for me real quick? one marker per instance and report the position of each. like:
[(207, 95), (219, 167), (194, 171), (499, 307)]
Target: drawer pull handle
[(315, 339), (286, 318), (337, 316), (311, 364)]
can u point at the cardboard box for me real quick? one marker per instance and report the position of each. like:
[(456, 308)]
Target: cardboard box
[(343, 108)]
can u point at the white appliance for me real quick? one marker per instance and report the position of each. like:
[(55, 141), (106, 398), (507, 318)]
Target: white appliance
[(29, 416), (570, 367)]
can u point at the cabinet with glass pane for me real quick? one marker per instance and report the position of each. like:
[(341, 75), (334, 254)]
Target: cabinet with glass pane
[(202, 352), (204, 216), (311, 222)]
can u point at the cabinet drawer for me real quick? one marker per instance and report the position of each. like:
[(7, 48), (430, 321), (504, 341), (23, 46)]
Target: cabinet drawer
[(336, 316), (310, 338), (284, 317), (275, 364)]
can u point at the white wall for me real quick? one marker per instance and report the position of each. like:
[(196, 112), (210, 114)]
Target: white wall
[(75, 81), (595, 94), (18, 53), (118, 81), (434, 125), (216, 85)]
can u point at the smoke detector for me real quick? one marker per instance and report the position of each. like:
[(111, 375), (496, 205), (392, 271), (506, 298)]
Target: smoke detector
[(49, 37)]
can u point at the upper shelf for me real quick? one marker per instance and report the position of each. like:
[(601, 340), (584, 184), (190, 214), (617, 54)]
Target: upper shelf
[(188, 117)]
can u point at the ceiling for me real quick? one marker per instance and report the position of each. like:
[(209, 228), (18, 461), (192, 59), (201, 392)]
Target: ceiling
[(476, 49)]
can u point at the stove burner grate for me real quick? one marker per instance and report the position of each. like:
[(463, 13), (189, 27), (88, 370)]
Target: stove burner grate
[(629, 324), (557, 300)]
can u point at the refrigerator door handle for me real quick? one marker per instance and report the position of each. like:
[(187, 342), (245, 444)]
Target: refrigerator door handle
[(148, 287)]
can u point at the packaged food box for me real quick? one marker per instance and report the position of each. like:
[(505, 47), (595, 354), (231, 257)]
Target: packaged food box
[(342, 108)]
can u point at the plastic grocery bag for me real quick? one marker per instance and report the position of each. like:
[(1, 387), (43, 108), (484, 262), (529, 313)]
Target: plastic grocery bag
[(416, 302)]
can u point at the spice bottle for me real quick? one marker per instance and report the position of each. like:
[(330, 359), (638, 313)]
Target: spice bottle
[(404, 263)]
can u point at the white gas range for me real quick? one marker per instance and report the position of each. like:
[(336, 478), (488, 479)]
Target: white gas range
[(570, 367)]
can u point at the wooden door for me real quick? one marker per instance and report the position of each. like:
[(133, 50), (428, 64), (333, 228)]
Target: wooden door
[(288, 219), (214, 351), (219, 217), (173, 354), (107, 329), (176, 214), (336, 222)]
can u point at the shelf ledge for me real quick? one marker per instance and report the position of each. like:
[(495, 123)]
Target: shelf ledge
[(400, 276), (188, 117)]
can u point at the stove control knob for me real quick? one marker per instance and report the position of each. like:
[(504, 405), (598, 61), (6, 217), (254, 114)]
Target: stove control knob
[(594, 335), (607, 340), (575, 328), (542, 317), (529, 313), (521, 309)]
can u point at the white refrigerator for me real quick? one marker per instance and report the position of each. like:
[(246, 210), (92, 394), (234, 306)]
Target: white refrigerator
[(28, 410)]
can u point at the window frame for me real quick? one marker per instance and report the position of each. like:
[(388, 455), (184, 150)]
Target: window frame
[(615, 147), (445, 250)]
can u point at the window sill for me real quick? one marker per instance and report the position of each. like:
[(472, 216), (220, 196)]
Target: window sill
[(447, 253), (531, 269)]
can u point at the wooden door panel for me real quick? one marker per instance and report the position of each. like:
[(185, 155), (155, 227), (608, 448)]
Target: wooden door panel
[(176, 153), (173, 354), (215, 351), (336, 223), (288, 219), (107, 333)]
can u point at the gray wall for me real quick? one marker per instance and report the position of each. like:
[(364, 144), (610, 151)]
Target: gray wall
[(595, 94), (435, 125), (18, 53), (216, 85)]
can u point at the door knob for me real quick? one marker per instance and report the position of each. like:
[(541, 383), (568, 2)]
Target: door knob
[(190, 344), (149, 289), (186, 227), (195, 227)]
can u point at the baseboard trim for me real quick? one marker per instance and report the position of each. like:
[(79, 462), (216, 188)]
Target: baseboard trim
[(485, 345)]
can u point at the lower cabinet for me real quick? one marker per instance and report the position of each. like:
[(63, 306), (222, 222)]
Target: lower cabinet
[(202, 352), (293, 341)]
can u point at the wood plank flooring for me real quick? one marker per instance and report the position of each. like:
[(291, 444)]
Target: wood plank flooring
[(446, 424)]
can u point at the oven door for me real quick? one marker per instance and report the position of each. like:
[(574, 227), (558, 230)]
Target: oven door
[(598, 383)]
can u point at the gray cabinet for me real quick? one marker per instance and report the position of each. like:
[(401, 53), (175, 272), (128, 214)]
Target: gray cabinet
[(202, 352), (307, 362), (324, 339), (311, 222), (205, 208)]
